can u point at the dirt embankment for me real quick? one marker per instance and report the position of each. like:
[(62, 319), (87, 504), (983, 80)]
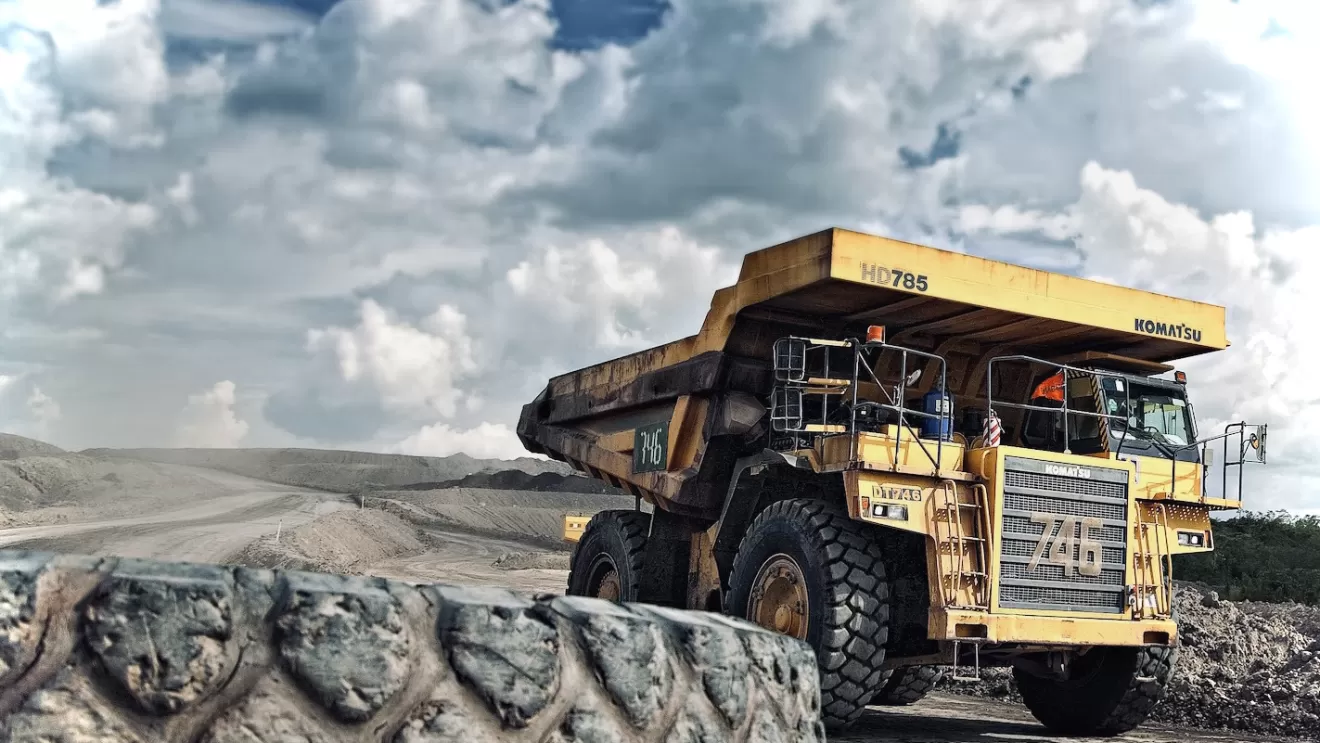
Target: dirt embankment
[(1245, 667), (43, 484), (340, 542), (334, 471), (536, 518)]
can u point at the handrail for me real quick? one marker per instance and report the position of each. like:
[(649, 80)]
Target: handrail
[(990, 393), (938, 460), (860, 349), (1231, 429)]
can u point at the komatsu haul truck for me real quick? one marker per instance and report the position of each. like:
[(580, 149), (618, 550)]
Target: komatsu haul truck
[(919, 462)]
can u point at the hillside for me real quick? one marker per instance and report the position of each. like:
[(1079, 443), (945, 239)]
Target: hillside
[(13, 446), (41, 483), (335, 471)]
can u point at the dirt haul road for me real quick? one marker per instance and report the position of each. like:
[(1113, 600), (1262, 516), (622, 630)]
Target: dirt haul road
[(211, 530)]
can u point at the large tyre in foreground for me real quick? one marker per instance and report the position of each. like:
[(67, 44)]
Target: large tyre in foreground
[(806, 570), (1111, 691), (608, 560), (906, 686), (132, 651)]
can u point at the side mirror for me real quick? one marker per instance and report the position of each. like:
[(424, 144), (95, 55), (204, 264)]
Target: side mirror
[(1258, 443), (1207, 457)]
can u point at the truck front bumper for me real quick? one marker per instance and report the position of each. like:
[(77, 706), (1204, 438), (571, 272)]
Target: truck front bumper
[(1050, 630)]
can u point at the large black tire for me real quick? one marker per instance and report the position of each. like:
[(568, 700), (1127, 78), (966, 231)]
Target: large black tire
[(908, 685), (131, 651), (847, 617), (1113, 690), (607, 561)]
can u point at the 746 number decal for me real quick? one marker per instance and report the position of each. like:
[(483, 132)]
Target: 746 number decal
[(651, 447), (1066, 547), (895, 277)]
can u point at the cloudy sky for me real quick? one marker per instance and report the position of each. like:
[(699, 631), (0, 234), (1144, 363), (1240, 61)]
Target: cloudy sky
[(382, 224)]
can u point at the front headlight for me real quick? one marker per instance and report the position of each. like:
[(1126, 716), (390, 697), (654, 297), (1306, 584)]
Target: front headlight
[(889, 511), (1191, 538)]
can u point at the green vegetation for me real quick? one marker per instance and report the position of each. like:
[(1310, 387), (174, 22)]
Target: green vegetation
[(1260, 557)]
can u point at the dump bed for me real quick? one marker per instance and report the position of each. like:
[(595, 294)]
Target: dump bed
[(833, 284)]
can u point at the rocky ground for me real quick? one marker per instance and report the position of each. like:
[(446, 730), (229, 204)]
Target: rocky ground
[(1246, 666)]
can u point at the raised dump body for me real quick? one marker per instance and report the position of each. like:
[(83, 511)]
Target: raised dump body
[(912, 459)]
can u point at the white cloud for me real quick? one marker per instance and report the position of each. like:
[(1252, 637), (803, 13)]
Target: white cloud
[(68, 71), (231, 20), (619, 294), (209, 420), (486, 441), (109, 59), (413, 369), (43, 411)]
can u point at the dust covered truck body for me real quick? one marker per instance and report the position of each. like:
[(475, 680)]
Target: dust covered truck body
[(920, 462)]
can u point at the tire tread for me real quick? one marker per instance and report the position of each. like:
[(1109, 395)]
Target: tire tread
[(114, 649), (852, 647), (909, 685), (1085, 714)]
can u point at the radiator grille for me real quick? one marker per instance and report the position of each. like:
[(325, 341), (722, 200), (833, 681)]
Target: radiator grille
[(1072, 485), (1056, 496)]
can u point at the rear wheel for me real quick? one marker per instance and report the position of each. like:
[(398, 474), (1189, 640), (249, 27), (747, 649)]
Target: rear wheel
[(1110, 691), (806, 570), (908, 685), (607, 561)]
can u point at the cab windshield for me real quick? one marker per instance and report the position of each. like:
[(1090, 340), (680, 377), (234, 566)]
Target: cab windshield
[(1149, 414)]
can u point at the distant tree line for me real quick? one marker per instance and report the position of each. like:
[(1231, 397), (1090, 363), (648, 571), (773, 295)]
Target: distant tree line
[(1269, 556)]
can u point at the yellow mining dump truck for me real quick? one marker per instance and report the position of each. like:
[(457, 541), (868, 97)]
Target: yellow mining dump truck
[(921, 463)]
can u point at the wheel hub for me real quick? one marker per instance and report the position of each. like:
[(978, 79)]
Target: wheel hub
[(779, 597), (605, 581), (609, 586)]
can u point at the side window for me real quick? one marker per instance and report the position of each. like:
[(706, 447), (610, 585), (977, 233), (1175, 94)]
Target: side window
[(1036, 429), (1082, 397)]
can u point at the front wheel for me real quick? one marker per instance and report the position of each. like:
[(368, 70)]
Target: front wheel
[(1110, 691), (806, 570)]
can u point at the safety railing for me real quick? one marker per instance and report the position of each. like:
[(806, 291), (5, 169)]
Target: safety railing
[(1246, 440), (1065, 411), (791, 359), (900, 396)]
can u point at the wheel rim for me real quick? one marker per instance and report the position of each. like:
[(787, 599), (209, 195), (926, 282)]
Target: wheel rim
[(779, 597), (605, 582)]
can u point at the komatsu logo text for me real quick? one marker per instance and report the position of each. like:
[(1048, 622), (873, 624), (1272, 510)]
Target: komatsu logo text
[(1169, 330), (1068, 470)]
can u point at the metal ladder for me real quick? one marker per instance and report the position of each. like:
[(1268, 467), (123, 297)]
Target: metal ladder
[(1150, 550), (961, 569)]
